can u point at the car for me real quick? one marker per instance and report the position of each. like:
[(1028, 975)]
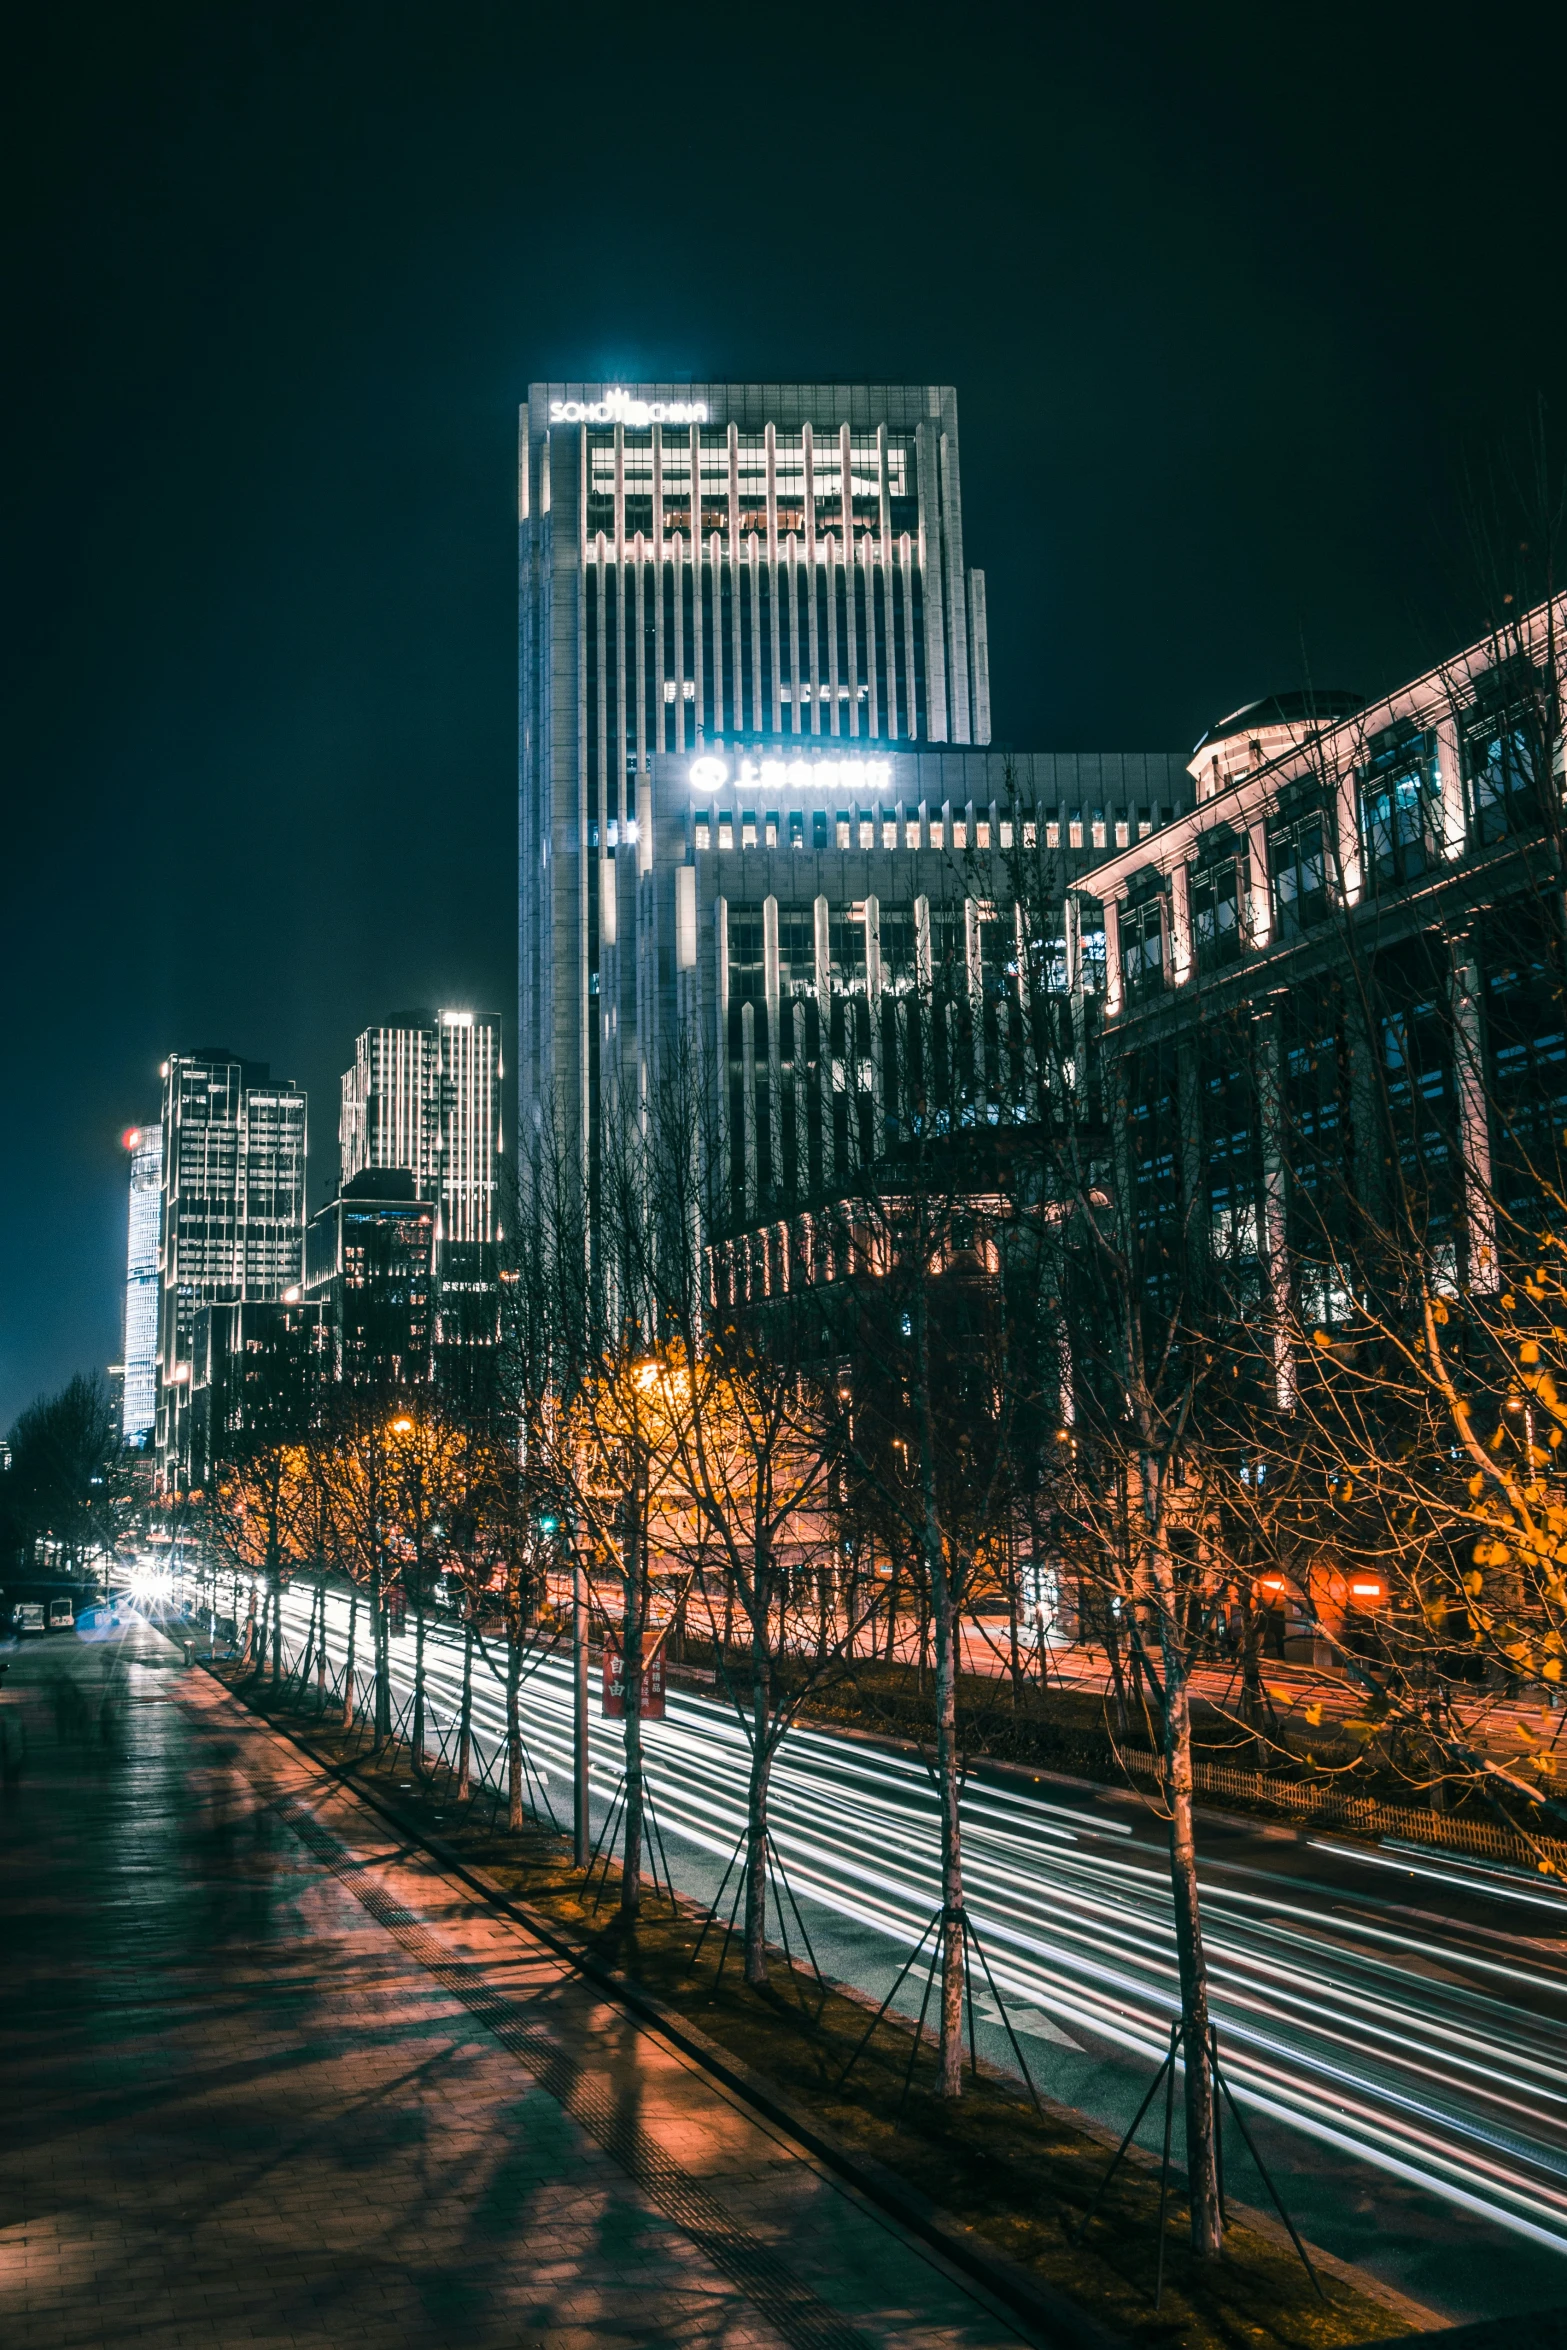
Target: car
[(27, 1616), (62, 1615)]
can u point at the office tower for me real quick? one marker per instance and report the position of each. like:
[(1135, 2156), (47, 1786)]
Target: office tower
[(139, 1352), (756, 803), (233, 1212), (706, 566), (424, 1095)]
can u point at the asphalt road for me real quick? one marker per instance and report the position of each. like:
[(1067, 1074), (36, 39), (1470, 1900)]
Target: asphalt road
[(1394, 2023)]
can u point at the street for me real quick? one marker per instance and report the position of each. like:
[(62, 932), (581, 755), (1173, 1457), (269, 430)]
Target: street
[(1397, 2022)]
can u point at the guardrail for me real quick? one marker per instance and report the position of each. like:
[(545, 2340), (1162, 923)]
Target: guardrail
[(1443, 1831)]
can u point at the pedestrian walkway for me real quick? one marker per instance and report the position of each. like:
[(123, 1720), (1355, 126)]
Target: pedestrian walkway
[(272, 2078)]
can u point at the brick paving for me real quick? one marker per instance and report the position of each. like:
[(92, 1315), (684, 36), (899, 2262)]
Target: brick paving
[(272, 2079)]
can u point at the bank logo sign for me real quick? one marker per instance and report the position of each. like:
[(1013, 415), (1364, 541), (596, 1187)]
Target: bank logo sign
[(618, 407), (711, 772)]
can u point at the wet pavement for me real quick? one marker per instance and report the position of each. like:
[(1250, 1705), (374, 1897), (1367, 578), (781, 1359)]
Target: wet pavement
[(273, 2079)]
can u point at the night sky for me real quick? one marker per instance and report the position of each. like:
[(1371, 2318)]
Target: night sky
[(1232, 296)]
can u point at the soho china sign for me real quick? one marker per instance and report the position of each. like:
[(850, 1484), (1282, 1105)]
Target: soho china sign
[(618, 407), (711, 773)]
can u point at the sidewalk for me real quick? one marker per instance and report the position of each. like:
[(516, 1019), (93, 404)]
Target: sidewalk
[(272, 2080)]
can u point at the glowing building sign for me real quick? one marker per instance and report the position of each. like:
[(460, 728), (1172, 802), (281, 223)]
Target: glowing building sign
[(711, 773), (618, 407)]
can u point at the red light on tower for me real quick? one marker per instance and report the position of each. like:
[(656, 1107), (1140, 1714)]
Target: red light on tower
[(130, 1140)]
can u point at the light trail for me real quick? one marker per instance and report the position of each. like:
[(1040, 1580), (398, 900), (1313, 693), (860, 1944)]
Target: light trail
[(1439, 2063)]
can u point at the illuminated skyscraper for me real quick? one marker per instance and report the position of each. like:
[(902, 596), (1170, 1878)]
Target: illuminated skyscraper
[(139, 1393), (233, 1212), (424, 1095), (704, 567), (759, 820)]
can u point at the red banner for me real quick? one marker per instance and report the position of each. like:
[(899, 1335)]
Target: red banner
[(652, 1707)]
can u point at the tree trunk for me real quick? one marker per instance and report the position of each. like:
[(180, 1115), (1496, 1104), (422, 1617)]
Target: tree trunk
[(634, 1573), (277, 1630), (1014, 1642), (383, 1664), (950, 1799), (1201, 2162), (465, 1723), (513, 1719), (321, 1643), (937, 1597), (418, 1735), (247, 1662), (756, 1802), (1202, 2175), (352, 1660)]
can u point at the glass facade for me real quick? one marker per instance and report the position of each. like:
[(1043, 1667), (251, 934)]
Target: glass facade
[(139, 1400), (232, 1213)]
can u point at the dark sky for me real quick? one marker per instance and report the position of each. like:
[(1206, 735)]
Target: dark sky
[(1230, 294)]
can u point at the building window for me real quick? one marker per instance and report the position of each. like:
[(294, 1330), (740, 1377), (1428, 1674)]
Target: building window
[(1301, 867), (1100, 838), (911, 828), (1074, 829), (1400, 812), (1143, 958), (1218, 903), (1503, 769)]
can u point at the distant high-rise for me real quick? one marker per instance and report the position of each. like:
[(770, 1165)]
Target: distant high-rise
[(424, 1095), (139, 1387), (233, 1212), (370, 1265)]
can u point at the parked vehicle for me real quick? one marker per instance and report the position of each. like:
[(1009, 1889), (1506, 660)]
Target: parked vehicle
[(27, 1616), (62, 1615)]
